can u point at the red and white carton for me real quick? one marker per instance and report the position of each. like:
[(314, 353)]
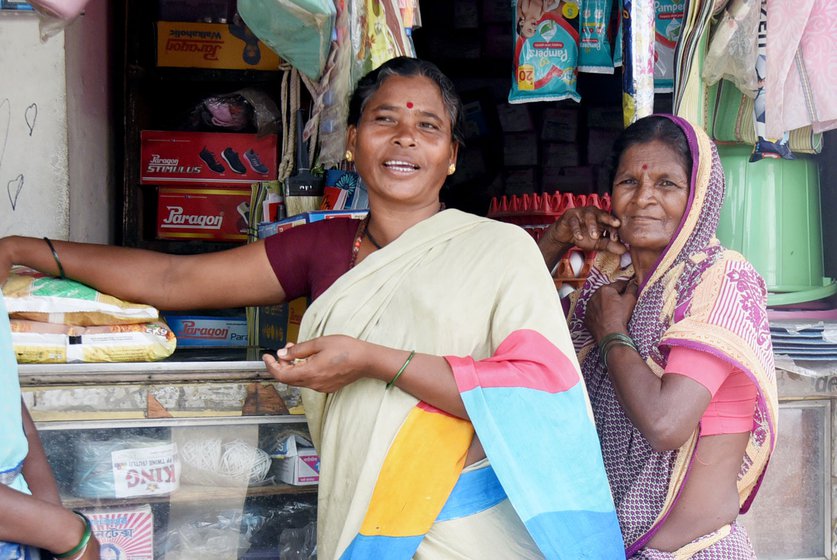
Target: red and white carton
[(125, 534), (200, 158), (215, 214)]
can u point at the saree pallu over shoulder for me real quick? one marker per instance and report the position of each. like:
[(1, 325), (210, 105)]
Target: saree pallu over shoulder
[(392, 483), (698, 295)]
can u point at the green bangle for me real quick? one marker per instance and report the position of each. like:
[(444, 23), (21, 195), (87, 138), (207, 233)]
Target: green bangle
[(400, 371), (608, 338), (85, 538), (614, 339)]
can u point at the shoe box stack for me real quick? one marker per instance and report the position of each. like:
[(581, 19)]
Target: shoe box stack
[(204, 180), (203, 176)]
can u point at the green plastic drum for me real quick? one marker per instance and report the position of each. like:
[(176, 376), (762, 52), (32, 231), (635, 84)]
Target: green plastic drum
[(771, 215)]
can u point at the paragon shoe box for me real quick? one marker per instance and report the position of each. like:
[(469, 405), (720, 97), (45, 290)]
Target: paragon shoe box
[(210, 214), (227, 46), (199, 158)]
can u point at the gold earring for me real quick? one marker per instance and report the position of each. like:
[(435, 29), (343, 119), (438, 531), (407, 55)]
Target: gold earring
[(349, 156), (451, 169)]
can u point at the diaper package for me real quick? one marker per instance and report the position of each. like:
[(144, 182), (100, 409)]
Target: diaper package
[(546, 44)]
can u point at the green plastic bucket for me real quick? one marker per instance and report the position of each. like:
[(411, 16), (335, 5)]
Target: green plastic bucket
[(771, 215)]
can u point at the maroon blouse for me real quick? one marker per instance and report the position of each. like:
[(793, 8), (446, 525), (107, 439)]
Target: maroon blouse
[(308, 259)]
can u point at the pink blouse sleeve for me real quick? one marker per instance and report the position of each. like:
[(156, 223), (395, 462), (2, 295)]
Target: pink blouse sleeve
[(708, 370)]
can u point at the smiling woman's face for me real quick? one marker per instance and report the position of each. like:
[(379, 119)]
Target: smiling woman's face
[(403, 142), (650, 193)]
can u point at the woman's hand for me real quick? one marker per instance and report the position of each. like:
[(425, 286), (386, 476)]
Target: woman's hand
[(325, 364), (588, 228), (610, 309)]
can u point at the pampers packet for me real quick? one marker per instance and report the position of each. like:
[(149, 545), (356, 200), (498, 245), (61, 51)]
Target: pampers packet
[(545, 51)]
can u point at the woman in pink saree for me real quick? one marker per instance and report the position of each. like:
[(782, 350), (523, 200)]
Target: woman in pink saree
[(672, 335)]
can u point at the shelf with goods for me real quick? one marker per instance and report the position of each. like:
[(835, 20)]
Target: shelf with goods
[(181, 444), (166, 94)]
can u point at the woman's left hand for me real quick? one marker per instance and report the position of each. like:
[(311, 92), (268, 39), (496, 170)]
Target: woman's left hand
[(325, 364), (610, 308)]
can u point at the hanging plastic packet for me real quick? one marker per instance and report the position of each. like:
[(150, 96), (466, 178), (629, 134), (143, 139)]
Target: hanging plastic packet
[(617, 42), (765, 147), (546, 51), (669, 24), (638, 72), (595, 53)]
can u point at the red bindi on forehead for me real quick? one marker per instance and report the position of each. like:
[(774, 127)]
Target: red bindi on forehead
[(644, 166), (409, 104)]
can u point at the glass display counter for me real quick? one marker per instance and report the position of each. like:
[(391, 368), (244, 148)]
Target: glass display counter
[(178, 460)]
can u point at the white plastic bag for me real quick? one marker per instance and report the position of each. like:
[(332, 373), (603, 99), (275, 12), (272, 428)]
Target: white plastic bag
[(734, 47)]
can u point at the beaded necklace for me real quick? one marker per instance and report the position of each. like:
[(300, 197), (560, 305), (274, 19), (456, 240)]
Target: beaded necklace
[(361, 232)]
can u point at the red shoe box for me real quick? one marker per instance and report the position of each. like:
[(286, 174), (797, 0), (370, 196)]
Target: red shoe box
[(174, 157), (210, 213)]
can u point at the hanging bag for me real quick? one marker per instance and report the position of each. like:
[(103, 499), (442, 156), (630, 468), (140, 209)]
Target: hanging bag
[(299, 31)]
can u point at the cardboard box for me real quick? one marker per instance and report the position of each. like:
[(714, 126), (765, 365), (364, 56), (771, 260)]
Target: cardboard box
[(208, 331), (559, 125), (126, 534), (605, 117), (212, 45), (213, 214), (465, 14), (514, 117), (600, 145), (300, 464), (200, 158), (560, 155), (521, 181), (276, 325), (520, 149)]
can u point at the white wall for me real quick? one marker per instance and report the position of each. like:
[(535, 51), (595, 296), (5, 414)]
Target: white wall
[(56, 164), (89, 122)]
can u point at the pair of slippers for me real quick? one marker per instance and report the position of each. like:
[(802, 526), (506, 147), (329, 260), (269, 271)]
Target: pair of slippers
[(252, 53)]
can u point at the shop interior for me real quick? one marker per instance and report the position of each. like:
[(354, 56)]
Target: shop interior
[(218, 402)]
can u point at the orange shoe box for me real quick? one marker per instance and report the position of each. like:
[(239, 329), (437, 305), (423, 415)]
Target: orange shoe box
[(182, 44), (215, 214), (175, 157)]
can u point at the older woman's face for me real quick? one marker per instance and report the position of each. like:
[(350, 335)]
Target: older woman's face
[(650, 193), (402, 143)]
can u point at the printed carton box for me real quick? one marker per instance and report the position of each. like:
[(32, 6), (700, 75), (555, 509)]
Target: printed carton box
[(300, 464), (126, 534), (227, 46), (200, 158), (208, 331), (209, 214)]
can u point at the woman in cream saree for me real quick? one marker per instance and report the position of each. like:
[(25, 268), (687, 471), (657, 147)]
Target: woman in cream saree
[(392, 482)]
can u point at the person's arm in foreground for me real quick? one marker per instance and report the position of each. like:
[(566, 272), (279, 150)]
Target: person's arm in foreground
[(40, 520), (36, 470), (332, 362), (233, 278), (665, 409), (27, 520)]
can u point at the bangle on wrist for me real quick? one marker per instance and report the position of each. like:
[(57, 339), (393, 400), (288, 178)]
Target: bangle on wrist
[(55, 256), (400, 371), (78, 550), (607, 343)]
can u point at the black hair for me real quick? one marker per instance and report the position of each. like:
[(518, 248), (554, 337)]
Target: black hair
[(406, 66), (649, 129)]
